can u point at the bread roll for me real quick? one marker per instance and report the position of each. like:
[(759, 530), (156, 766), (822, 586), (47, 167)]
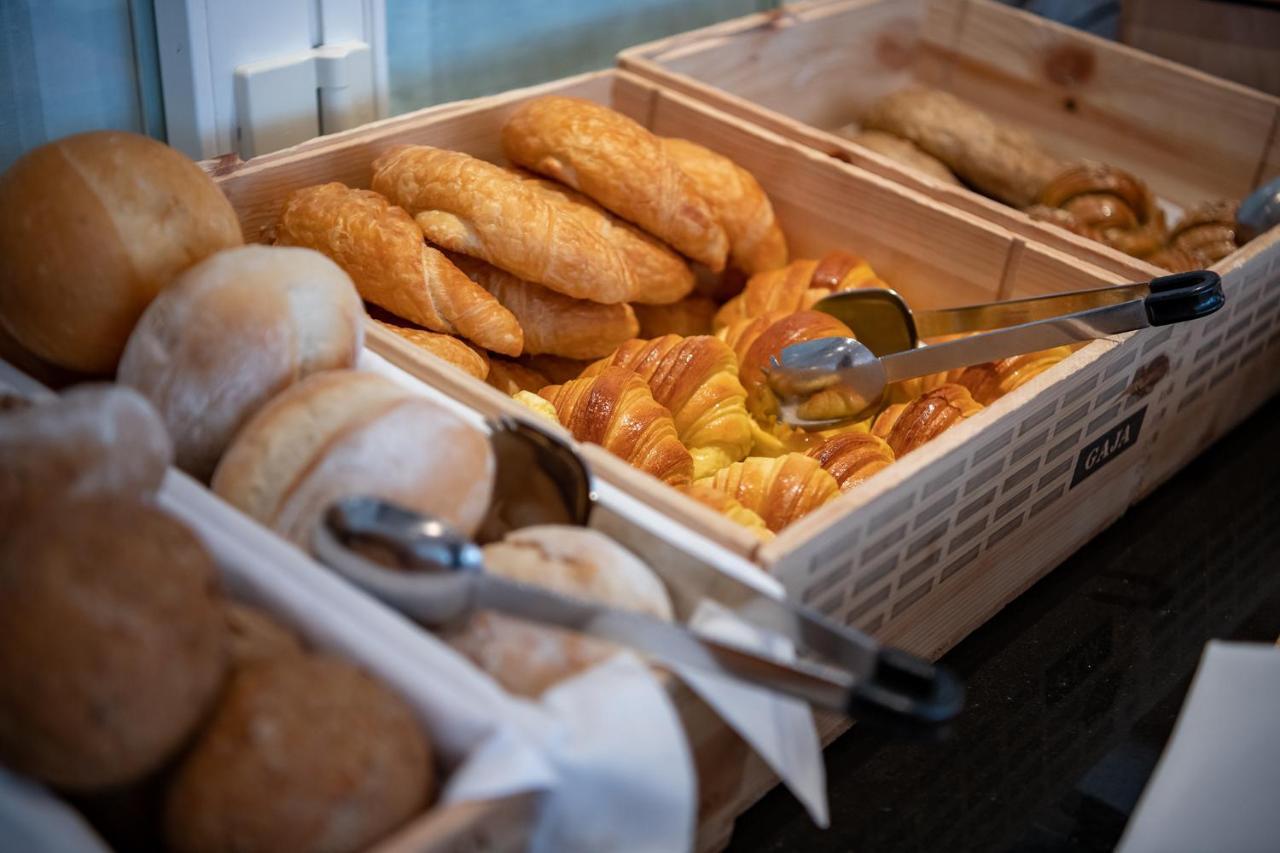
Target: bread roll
[(304, 753), (114, 642), (232, 332), (348, 432), (91, 228), (92, 440), (527, 659)]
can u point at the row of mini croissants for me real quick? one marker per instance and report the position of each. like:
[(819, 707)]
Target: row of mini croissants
[(596, 221)]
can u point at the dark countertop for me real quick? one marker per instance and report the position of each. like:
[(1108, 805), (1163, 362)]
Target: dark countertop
[(1074, 687)]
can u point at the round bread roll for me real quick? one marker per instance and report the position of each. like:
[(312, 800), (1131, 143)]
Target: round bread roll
[(233, 331), (92, 440), (303, 753), (349, 432), (114, 642), (527, 659), (91, 228)]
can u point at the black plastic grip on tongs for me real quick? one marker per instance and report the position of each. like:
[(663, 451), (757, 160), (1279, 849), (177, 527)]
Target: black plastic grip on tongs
[(908, 695), (1184, 296)]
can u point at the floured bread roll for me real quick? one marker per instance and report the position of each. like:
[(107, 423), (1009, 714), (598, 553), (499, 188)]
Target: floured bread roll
[(527, 659), (349, 432)]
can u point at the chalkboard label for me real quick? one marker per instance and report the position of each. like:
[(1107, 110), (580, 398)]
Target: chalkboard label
[(1108, 446)]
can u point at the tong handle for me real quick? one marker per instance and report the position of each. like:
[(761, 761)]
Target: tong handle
[(1183, 296), (908, 694)]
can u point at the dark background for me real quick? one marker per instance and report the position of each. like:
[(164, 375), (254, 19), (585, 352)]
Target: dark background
[(1074, 688)]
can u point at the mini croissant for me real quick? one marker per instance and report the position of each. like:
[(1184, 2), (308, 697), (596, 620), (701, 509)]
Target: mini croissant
[(852, 457), (780, 490), (991, 381), (730, 508), (907, 426), (797, 286), (1105, 204), (697, 380), (616, 410), (381, 248), (769, 344)]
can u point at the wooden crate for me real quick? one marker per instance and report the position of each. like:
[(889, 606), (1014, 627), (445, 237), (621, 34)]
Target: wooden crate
[(927, 550)]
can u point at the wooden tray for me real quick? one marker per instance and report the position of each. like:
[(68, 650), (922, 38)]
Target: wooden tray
[(807, 69), (927, 550)]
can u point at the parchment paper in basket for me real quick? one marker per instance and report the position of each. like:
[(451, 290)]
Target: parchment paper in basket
[(778, 729)]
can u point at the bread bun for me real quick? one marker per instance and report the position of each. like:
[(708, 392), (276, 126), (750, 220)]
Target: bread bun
[(304, 753), (92, 440), (114, 642), (233, 331), (91, 228), (348, 432), (528, 659)]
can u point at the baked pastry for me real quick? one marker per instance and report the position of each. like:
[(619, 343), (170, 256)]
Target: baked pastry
[(527, 659), (382, 249), (1000, 161), (612, 159), (662, 276), (348, 432), (696, 379), (233, 331), (690, 316), (730, 508), (92, 226), (92, 440), (538, 405), (902, 151), (990, 381), (1104, 204), (756, 241), (907, 426), (554, 324), (253, 636), (1208, 232), (616, 410), (780, 490), (1174, 260), (510, 377), (476, 208), (768, 345), (469, 360), (556, 369), (303, 753), (114, 641), (797, 286), (852, 457)]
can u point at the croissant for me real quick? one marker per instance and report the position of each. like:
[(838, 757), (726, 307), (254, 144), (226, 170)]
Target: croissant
[(756, 242), (697, 380), (662, 276), (615, 161), (906, 426), (798, 286), (690, 316), (1105, 204), (1000, 161), (445, 347), (1208, 232), (852, 457), (790, 329), (381, 248), (553, 323), (780, 490), (729, 508), (511, 377), (537, 405), (991, 381), (616, 410), (485, 211)]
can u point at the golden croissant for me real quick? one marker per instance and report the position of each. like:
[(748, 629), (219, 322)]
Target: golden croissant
[(907, 426), (616, 410), (780, 489), (446, 347), (381, 248), (475, 208), (1105, 204), (798, 286), (619, 164), (730, 508), (990, 381), (852, 457), (697, 380), (768, 345)]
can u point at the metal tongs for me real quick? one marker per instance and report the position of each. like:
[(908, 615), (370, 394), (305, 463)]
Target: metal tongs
[(439, 578), (852, 373)]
